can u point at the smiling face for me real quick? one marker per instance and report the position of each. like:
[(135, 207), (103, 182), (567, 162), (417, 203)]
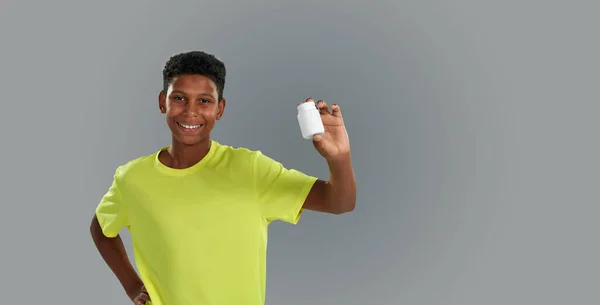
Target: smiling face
[(191, 105)]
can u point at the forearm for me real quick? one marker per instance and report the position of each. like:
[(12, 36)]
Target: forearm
[(341, 187), (114, 254)]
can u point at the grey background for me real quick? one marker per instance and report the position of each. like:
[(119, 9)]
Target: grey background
[(472, 123)]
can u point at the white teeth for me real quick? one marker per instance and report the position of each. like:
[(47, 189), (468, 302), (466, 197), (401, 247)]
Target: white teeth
[(189, 126)]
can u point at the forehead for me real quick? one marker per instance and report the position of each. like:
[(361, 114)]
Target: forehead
[(193, 84)]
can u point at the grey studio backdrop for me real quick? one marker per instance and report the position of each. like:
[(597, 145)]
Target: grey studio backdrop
[(472, 123)]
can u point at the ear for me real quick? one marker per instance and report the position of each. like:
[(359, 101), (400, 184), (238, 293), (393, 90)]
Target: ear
[(221, 109), (162, 102)]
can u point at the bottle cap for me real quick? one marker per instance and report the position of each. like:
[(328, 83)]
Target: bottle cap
[(306, 106)]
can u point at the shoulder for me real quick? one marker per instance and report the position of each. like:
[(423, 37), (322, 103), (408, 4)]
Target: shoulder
[(138, 165), (244, 161), (233, 155)]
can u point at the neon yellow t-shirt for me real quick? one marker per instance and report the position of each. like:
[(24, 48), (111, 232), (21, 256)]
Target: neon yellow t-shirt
[(200, 234)]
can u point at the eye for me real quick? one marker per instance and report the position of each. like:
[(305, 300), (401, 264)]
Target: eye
[(204, 101), (178, 98)]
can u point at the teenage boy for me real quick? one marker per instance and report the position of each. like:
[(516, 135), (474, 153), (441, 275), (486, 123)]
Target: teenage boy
[(198, 211)]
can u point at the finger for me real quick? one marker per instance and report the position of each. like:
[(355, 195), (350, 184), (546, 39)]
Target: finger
[(335, 110), (144, 296), (322, 106)]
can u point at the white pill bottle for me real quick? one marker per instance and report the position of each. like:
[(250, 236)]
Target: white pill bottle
[(309, 120)]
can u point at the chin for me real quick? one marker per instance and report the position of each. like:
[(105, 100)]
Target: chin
[(190, 139)]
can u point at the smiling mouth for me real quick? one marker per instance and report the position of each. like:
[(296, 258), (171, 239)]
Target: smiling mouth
[(189, 127)]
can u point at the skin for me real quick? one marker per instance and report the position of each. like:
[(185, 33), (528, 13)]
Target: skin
[(193, 100), (114, 254)]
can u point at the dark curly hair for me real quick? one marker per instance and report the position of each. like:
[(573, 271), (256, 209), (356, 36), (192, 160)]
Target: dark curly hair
[(195, 62)]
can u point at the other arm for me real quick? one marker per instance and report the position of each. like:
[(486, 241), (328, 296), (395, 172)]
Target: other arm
[(338, 194), (283, 193)]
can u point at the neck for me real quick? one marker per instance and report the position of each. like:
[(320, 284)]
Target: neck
[(183, 156)]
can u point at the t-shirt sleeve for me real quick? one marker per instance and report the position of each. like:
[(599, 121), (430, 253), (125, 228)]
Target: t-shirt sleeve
[(281, 192), (111, 212)]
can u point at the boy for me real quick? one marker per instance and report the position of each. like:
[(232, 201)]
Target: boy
[(198, 211)]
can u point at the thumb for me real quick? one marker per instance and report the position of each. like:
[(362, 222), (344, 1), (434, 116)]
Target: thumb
[(319, 143)]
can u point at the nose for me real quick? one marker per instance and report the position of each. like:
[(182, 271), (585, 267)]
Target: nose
[(191, 109)]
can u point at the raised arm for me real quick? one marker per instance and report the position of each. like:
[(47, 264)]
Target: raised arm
[(338, 194)]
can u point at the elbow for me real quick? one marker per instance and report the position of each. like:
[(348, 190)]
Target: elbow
[(345, 208), (344, 204), (93, 225), (95, 229)]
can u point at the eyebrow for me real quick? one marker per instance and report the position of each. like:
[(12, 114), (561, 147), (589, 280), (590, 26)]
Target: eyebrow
[(202, 94)]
